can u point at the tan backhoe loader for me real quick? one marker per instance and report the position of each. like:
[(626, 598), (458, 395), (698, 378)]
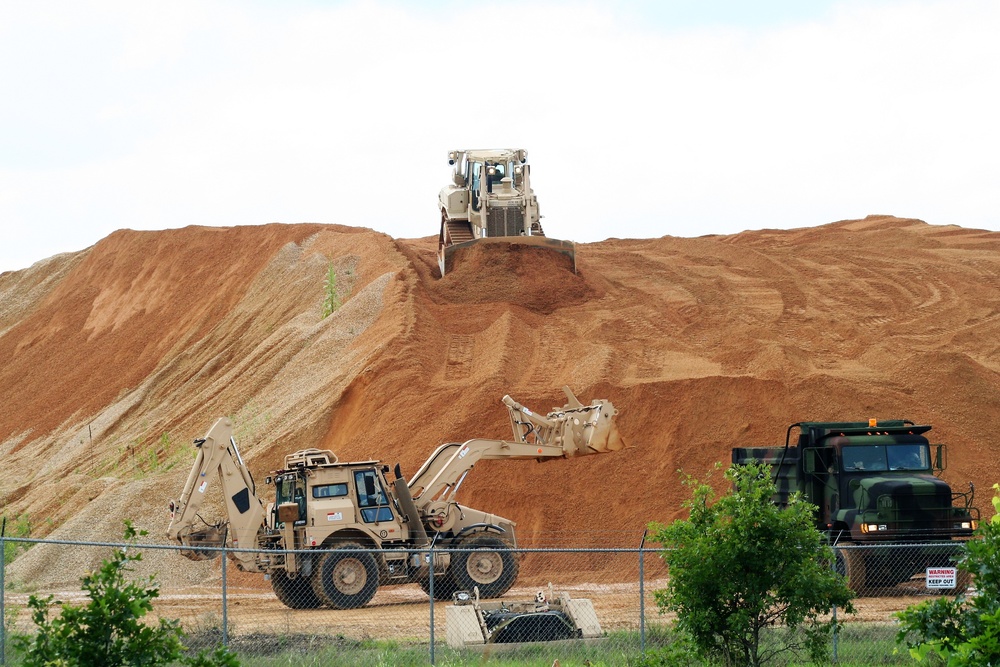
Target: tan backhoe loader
[(366, 531)]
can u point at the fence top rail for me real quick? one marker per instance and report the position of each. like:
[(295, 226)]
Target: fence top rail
[(414, 550)]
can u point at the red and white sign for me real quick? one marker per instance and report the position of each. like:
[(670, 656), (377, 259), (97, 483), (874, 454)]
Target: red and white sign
[(941, 577)]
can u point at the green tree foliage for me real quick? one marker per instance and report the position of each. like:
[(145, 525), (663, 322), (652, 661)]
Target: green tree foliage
[(331, 299), (740, 565), (964, 630), (109, 630)]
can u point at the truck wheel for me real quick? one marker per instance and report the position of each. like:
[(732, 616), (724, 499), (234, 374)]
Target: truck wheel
[(295, 593), (444, 586), (346, 579), (489, 566), (851, 565)]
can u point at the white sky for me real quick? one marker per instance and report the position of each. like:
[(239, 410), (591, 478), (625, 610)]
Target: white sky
[(641, 119)]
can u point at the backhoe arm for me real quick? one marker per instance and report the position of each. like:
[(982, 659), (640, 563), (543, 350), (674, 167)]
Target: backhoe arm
[(217, 453), (573, 430)]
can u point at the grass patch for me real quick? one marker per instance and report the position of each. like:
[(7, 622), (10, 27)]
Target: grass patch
[(859, 645), (19, 527)]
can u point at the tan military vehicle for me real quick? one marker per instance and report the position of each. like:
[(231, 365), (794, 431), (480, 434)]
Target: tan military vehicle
[(316, 539), (490, 199)]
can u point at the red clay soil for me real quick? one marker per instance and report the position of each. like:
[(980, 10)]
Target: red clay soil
[(116, 357)]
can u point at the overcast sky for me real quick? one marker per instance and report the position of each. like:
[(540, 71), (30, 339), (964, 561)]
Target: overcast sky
[(641, 119)]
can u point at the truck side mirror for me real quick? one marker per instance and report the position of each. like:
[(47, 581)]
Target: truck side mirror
[(268, 480), (940, 460)]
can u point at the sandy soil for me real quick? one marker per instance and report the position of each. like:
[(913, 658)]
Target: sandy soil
[(116, 357)]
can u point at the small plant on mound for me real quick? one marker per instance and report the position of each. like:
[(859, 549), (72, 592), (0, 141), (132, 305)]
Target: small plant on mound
[(109, 630), (964, 630), (740, 566), (331, 300)]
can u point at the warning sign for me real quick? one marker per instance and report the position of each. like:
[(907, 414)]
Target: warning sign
[(941, 577)]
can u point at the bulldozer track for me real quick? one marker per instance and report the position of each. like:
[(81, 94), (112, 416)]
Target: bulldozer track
[(460, 355)]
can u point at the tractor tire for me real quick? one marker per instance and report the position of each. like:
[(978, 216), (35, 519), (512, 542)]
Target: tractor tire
[(345, 578), (295, 593), (444, 586), (851, 565), (490, 567)]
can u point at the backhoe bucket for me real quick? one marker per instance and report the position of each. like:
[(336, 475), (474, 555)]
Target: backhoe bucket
[(212, 536)]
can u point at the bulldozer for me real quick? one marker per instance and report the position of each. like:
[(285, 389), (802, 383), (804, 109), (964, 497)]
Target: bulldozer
[(336, 531), (490, 200)]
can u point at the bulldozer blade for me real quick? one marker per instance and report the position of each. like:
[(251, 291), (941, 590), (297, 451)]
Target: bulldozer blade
[(446, 255)]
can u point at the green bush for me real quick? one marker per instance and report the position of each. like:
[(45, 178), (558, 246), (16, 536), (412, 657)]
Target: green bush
[(741, 565), (964, 630), (109, 630), (21, 528)]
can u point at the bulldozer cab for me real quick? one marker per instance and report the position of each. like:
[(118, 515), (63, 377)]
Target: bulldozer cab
[(487, 177)]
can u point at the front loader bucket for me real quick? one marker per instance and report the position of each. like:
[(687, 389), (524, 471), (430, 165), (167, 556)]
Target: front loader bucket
[(447, 259), (212, 536), (592, 430)]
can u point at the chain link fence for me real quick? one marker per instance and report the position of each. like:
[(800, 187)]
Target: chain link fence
[(574, 604)]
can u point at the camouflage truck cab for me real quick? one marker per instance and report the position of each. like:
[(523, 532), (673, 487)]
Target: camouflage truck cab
[(873, 483)]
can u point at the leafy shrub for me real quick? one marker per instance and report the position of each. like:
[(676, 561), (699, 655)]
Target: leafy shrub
[(109, 630), (964, 630), (741, 565)]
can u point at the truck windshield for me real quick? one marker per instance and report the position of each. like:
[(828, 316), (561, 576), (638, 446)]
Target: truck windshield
[(908, 457), (882, 457), (864, 457)]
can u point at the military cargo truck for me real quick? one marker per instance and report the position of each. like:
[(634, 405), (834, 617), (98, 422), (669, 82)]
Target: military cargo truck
[(873, 483)]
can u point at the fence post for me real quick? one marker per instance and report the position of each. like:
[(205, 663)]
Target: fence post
[(225, 603), (835, 628), (430, 587), (3, 594), (642, 594)]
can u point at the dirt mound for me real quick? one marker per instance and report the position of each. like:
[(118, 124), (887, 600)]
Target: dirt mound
[(534, 278), (117, 356)]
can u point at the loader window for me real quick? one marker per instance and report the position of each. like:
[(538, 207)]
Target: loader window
[(329, 490), (292, 489), (371, 498)]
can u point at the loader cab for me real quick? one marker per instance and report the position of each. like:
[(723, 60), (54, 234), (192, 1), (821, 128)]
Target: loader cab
[(291, 488), (374, 505)]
